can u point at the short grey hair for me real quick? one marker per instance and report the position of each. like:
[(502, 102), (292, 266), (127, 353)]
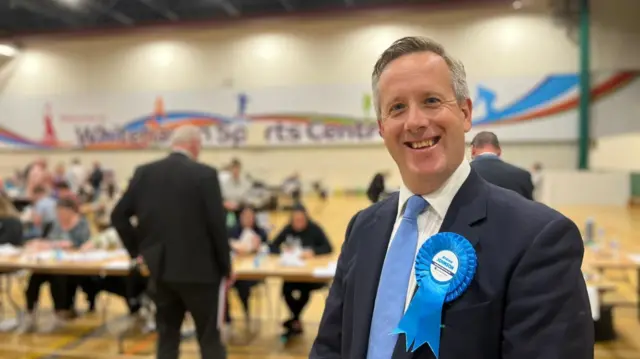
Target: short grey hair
[(185, 134), (415, 44)]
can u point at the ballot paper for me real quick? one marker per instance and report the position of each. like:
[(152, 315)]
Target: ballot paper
[(9, 250), (89, 256), (594, 302), (246, 239), (326, 272), (119, 264), (291, 259)]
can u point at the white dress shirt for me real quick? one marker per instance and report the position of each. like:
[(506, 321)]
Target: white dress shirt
[(431, 219)]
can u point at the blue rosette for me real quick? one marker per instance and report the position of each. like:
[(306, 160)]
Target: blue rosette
[(445, 266)]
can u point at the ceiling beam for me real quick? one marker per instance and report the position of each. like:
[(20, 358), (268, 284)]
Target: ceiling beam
[(286, 4), (161, 9), (46, 11), (109, 11), (228, 7)]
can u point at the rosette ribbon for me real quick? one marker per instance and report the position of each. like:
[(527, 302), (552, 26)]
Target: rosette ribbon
[(445, 266)]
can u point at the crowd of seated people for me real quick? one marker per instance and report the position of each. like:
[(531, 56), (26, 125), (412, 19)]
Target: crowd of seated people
[(61, 204), (248, 230), (56, 216)]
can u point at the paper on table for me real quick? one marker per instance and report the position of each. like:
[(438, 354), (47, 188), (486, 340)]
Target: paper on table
[(594, 302), (635, 258), (9, 250), (325, 272), (121, 264), (92, 256), (291, 260)]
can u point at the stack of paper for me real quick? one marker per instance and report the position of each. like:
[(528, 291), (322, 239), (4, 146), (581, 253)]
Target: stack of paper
[(92, 256), (325, 272), (119, 264), (291, 259), (9, 250)]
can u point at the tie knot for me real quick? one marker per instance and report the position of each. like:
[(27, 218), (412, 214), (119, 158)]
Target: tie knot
[(415, 205)]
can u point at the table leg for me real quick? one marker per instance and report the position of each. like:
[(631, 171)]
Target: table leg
[(8, 324)]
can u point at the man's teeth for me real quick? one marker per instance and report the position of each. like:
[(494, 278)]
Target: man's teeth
[(423, 144)]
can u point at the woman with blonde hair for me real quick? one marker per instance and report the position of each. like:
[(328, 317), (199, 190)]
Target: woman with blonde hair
[(10, 224)]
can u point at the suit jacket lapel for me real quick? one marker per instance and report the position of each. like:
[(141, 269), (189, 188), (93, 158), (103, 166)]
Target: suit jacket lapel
[(373, 241), (468, 207)]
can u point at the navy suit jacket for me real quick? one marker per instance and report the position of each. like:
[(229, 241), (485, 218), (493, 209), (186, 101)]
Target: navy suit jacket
[(528, 299), (502, 174)]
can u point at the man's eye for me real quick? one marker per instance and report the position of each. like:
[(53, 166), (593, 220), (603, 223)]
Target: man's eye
[(396, 107), (432, 101)]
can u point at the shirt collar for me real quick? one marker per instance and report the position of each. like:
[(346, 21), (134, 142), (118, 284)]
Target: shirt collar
[(439, 200), (488, 154), (182, 151)]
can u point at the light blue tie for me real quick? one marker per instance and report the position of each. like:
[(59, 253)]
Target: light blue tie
[(394, 282)]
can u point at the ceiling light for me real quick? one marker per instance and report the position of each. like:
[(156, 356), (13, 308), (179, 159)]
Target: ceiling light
[(71, 3), (8, 50), (517, 4)]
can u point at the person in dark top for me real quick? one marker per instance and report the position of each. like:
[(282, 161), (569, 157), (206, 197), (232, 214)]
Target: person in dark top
[(486, 152), (245, 239), (10, 225), (377, 187), (95, 178), (303, 234)]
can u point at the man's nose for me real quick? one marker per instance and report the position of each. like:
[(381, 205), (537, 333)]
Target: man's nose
[(417, 119)]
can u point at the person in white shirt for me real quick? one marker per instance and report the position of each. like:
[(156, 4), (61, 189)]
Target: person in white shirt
[(235, 190)]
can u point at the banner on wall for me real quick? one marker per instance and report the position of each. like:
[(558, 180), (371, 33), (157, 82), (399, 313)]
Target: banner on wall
[(516, 109)]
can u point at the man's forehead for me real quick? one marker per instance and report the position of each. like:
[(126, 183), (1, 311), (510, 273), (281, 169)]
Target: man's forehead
[(412, 64), (410, 70)]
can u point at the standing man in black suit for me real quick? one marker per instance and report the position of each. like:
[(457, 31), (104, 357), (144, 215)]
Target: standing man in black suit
[(486, 151), (182, 238), (527, 298)]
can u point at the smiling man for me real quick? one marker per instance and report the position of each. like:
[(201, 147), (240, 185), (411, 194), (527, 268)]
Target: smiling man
[(527, 298)]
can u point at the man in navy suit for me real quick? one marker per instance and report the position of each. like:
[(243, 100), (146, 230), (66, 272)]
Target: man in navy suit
[(486, 151), (527, 299)]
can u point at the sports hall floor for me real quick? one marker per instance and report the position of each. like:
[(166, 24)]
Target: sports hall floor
[(88, 338)]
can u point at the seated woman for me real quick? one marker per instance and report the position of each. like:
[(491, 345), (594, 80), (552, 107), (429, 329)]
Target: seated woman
[(10, 224), (246, 238), (303, 234), (70, 230), (130, 288)]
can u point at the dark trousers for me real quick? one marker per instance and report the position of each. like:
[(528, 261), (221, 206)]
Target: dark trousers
[(243, 288), (296, 305), (129, 288), (58, 285), (88, 284), (172, 301)]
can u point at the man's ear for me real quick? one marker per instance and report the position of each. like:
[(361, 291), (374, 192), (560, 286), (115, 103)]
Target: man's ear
[(467, 111), (380, 128)]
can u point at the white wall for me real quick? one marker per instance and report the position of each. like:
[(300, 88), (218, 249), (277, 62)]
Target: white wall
[(491, 42), (579, 188), (617, 153)]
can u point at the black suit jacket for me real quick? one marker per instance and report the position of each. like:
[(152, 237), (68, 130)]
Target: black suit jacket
[(502, 174), (528, 299), (181, 230)]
